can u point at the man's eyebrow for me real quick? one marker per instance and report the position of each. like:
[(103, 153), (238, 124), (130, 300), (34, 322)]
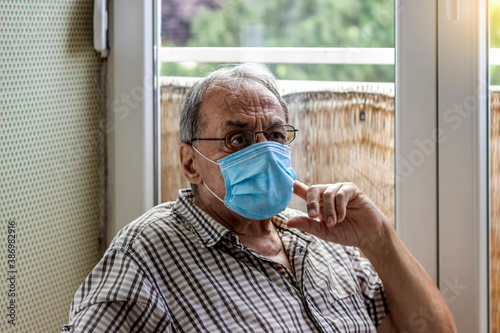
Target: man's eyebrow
[(232, 123), (244, 125), (277, 123)]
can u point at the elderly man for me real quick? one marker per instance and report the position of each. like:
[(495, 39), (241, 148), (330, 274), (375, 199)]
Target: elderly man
[(228, 256)]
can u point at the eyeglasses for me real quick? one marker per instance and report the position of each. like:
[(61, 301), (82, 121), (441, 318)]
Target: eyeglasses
[(237, 140)]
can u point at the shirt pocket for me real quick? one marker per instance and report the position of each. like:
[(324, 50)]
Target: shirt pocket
[(330, 280), (349, 313)]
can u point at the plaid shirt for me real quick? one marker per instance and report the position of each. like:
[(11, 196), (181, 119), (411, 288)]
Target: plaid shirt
[(175, 269)]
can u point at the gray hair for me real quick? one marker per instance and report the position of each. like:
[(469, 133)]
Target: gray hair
[(235, 76)]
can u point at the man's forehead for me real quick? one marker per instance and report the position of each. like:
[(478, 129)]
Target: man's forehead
[(227, 108), (243, 92)]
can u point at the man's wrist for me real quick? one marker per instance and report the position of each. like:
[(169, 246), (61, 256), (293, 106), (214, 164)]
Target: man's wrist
[(381, 247)]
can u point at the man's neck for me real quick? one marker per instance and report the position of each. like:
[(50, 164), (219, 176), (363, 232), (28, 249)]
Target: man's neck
[(237, 224), (260, 236)]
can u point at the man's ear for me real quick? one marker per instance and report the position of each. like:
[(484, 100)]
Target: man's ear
[(188, 165)]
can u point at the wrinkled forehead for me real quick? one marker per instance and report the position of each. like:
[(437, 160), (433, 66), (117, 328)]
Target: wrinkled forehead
[(240, 93)]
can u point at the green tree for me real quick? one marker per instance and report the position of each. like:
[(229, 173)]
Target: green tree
[(302, 23), (495, 37)]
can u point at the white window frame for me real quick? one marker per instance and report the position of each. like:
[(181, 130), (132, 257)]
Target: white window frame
[(443, 220), (279, 55), (442, 200), (416, 108), (463, 114), (132, 188)]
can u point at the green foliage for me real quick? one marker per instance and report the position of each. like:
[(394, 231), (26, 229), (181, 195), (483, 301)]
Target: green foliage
[(307, 23), (300, 23), (361, 73), (495, 23), (495, 38)]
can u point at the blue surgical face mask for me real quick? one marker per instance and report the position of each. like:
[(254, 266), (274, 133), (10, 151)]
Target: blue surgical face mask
[(259, 180)]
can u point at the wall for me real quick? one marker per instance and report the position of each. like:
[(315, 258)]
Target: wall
[(48, 159)]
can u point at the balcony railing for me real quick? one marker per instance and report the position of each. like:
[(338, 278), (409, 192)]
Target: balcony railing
[(289, 55)]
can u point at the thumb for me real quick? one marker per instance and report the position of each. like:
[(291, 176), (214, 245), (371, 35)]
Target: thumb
[(306, 224), (300, 189)]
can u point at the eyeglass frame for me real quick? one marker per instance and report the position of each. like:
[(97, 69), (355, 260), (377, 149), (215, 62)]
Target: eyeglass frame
[(248, 130)]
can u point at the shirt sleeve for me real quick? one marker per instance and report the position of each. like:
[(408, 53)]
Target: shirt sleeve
[(118, 297), (371, 286)]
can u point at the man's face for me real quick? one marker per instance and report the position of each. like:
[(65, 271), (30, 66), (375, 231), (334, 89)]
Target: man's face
[(252, 107)]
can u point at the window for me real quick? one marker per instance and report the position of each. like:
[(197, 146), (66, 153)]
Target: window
[(337, 76)]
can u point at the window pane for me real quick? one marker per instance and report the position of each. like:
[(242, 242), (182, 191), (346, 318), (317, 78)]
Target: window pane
[(343, 108), (285, 23), (280, 23)]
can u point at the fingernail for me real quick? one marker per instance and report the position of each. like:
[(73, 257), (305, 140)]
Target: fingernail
[(329, 221), (312, 212)]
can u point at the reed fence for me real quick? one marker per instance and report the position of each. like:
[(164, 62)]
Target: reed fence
[(345, 137)]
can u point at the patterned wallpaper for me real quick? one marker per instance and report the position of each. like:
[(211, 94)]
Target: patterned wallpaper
[(48, 160)]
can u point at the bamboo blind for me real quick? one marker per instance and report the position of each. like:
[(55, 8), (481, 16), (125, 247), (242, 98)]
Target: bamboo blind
[(172, 178), (346, 136)]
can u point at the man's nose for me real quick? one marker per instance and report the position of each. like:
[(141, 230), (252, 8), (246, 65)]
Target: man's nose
[(262, 137)]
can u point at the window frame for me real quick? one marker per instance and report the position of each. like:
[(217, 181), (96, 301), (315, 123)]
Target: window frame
[(463, 161), (131, 121), (415, 122)]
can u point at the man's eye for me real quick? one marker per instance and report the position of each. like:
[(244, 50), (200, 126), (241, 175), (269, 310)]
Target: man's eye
[(277, 136), (239, 140)]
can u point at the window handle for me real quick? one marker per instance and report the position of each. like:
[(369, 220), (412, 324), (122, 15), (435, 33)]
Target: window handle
[(452, 9), (100, 27)]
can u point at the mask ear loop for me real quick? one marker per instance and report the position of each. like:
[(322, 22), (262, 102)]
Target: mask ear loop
[(208, 188), (204, 155), (215, 195)]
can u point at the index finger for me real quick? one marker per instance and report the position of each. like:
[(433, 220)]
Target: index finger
[(300, 189)]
